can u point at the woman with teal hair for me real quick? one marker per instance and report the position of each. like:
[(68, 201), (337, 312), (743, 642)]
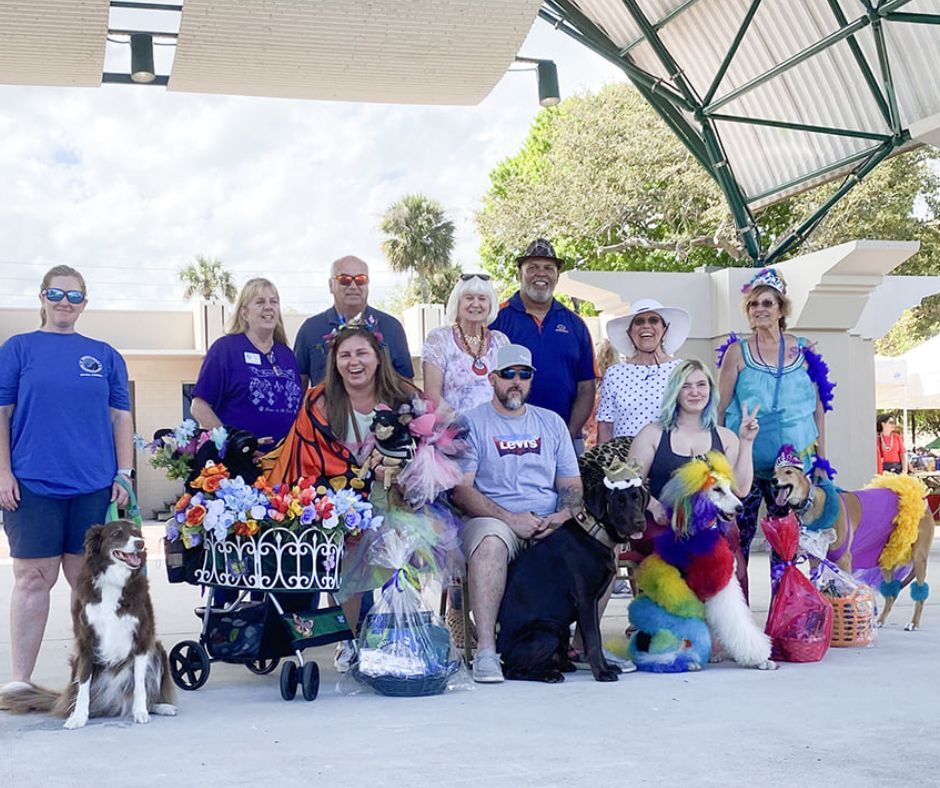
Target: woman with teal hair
[(688, 428)]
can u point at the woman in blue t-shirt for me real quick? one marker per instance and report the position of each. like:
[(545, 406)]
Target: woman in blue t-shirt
[(66, 433), (249, 378)]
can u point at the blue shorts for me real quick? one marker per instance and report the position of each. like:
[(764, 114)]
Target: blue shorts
[(43, 527)]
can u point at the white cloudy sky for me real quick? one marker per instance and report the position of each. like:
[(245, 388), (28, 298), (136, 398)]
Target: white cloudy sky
[(128, 183)]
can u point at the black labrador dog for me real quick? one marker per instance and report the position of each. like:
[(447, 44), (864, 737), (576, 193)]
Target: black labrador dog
[(559, 580)]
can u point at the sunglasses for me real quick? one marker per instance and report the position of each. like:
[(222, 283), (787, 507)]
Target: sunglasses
[(56, 294), (652, 320), (347, 279), (767, 303), (511, 373), (468, 277)]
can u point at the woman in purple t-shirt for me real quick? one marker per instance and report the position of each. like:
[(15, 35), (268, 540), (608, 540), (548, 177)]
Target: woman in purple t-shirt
[(249, 379)]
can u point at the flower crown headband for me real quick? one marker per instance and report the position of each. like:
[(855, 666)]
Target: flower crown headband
[(369, 323), (766, 277)]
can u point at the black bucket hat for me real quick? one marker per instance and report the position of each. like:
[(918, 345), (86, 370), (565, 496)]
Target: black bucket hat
[(541, 248)]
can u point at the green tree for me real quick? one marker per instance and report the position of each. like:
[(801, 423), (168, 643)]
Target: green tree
[(612, 186), (439, 287), (206, 278), (418, 239)]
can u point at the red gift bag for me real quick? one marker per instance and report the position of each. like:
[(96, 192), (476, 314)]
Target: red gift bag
[(800, 618)]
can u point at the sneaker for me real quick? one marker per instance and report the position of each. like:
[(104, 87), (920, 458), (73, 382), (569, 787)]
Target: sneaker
[(621, 589), (581, 663), (347, 655), (486, 667)]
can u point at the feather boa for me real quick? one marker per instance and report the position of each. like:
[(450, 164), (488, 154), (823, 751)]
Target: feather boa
[(912, 496), (723, 348), (818, 371)]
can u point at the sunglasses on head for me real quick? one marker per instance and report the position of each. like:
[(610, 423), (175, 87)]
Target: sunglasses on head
[(468, 277), (56, 294), (652, 320), (767, 303), (510, 373), (347, 279)]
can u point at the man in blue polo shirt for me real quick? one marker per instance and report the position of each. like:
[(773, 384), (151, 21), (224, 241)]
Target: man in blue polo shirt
[(558, 339), (349, 284)]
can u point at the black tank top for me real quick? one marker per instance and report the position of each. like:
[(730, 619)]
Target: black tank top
[(666, 461)]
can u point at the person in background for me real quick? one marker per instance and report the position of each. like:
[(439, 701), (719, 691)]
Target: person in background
[(349, 286), (889, 446), (558, 339), (66, 441), (605, 356), (249, 378), (648, 336)]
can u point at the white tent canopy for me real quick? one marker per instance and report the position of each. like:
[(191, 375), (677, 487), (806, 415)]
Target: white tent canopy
[(910, 381)]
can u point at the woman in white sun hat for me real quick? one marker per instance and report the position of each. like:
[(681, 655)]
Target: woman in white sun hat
[(648, 336)]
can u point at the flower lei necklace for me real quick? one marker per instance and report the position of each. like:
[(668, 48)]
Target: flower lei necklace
[(479, 365)]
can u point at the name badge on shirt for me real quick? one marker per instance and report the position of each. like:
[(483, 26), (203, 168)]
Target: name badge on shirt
[(252, 358)]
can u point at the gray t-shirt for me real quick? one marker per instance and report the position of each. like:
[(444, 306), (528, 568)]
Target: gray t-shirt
[(517, 459)]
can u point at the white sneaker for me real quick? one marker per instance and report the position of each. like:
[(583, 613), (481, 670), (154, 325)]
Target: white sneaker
[(347, 655), (486, 667), (625, 665), (621, 589)]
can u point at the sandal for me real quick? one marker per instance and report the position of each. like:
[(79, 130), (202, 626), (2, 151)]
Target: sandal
[(454, 621)]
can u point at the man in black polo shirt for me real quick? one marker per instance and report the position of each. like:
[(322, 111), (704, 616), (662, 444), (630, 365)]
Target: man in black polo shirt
[(349, 284)]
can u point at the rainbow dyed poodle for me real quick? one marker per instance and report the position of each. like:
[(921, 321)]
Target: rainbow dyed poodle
[(688, 592)]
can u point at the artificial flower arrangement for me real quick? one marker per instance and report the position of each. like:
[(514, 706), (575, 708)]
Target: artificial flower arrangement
[(173, 451), (225, 507)]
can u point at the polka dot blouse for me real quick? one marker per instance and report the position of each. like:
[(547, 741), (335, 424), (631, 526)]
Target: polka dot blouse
[(632, 394)]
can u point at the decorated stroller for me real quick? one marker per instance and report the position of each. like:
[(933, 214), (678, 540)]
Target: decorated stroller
[(270, 617), (261, 552)]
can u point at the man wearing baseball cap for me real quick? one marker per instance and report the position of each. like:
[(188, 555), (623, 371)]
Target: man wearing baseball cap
[(559, 340), (521, 480)]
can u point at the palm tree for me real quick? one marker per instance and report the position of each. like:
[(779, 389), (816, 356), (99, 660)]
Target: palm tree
[(418, 239), (209, 280)]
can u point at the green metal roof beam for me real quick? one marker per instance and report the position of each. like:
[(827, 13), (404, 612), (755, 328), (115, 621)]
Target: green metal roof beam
[(687, 134), (795, 60), (743, 219), (732, 51), (892, 5), (782, 124), (863, 65), (676, 74), (685, 6), (887, 78), (914, 19), (814, 175), (852, 180), (587, 33)]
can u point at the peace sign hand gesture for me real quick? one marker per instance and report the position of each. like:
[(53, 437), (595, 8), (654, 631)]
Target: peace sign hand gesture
[(749, 427)]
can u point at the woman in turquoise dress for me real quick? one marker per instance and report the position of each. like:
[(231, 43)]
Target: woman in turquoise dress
[(780, 373)]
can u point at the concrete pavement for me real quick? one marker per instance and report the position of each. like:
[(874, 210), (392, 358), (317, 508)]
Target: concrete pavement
[(861, 717)]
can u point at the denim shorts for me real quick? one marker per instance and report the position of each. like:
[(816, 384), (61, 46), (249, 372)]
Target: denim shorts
[(43, 527)]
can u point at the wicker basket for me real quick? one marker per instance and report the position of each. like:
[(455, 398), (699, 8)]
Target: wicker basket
[(412, 687), (852, 618)]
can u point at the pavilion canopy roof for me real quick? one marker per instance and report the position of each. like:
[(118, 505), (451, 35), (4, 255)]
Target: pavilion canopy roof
[(774, 96)]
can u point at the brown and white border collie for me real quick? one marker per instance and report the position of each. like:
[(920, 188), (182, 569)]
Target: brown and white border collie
[(118, 665)]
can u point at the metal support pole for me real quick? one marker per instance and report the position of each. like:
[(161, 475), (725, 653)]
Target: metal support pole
[(782, 124), (820, 46), (862, 62), (732, 51), (887, 78)]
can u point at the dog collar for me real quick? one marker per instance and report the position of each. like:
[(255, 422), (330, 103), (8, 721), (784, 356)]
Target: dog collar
[(592, 526)]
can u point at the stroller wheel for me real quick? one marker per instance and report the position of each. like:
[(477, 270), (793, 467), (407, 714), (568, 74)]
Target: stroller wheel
[(262, 667), (189, 665), (289, 676), (310, 680)]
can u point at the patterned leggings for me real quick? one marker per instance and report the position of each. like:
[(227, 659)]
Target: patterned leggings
[(761, 490)]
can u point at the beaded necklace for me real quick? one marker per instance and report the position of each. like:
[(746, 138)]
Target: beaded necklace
[(479, 365)]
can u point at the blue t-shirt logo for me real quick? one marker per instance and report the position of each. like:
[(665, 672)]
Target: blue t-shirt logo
[(90, 366), (517, 444)]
